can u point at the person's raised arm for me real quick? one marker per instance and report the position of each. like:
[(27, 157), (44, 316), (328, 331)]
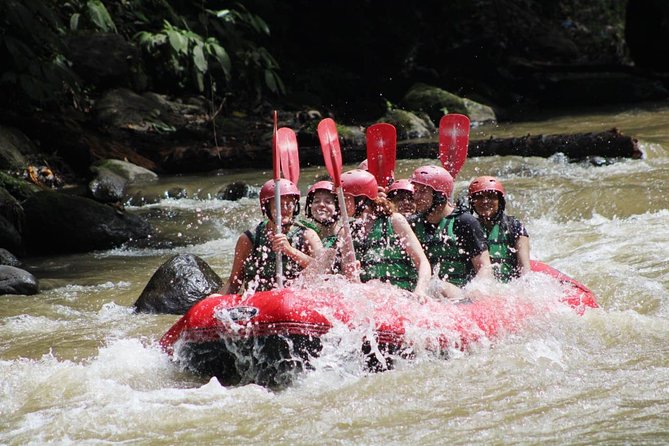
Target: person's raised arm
[(523, 254), (415, 250)]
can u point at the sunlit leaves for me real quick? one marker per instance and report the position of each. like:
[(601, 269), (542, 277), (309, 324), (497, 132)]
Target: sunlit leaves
[(199, 59), (220, 55), (100, 16)]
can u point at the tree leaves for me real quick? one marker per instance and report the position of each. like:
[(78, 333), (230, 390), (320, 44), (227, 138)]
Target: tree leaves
[(184, 46), (100, 16)]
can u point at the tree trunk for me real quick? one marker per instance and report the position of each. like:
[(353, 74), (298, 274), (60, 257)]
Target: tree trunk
[(576, 146)]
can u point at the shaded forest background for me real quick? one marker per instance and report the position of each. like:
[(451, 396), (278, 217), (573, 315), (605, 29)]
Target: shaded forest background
[(352, 59)]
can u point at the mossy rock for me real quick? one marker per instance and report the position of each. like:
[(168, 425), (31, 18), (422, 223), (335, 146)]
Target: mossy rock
[(410, 125), (130, 172), (17, 187), (437, 102)]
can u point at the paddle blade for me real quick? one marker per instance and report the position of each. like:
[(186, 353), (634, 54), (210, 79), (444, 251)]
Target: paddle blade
[(275, 155), (453, 142), (286, 143), (382, 152), (329, 138)]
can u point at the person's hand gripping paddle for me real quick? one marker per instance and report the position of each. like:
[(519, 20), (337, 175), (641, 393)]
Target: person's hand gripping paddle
[(329, 138)]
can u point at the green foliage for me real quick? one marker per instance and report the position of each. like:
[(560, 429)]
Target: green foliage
[(186, 46), (205, 50), (100, 16), (32, 50)]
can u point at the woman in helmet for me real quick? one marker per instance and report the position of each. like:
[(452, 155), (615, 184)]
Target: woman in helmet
[(452, 240), (508, 242), (384, 243), (323, 209), (254, 265), (400, 193)]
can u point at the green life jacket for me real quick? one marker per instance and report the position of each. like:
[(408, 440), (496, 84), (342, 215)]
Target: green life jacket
[(328, 242), (382, 257), (308, 224), (442, 250), (260, 266), (502, 253)]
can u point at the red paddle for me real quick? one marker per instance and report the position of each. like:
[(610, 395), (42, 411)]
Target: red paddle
[(286, 142), (329, 138), (453, 142), (281, 140), (381, 152)]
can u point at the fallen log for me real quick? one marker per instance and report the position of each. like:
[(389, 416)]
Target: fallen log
[(609, 144), (577, 146)]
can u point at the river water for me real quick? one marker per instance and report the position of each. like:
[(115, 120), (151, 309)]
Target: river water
[(77, 367)]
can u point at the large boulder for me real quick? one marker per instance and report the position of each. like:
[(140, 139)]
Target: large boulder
[(112, 178), (177, 285), (238, 190), (10, 238), (16, 149), (17, 187), (132, 173), (7, 258), (17, 281), (107, 186), (436, 102), (63, 223), (148, 112), (410, 125)]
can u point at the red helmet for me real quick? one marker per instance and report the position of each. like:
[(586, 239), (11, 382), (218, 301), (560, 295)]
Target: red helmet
[(435, 177), (399, 185), (360, 183), (486, 183), (319, 185), (287, 188)]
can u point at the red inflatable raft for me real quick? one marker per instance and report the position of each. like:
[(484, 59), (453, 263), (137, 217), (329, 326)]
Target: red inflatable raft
[(271, 336)]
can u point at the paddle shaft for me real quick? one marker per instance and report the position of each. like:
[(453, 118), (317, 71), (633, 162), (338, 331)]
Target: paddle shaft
[(277, 200), (348, 248)]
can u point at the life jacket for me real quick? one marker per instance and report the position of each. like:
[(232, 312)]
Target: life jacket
[(382, 256), (442, 250), (328, 242), (260, 266), (502, 251)]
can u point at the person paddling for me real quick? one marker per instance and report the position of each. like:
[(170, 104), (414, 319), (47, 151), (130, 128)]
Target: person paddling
[(384, 243), (508, 241), (453, 241), (254, 264), (323, 209)]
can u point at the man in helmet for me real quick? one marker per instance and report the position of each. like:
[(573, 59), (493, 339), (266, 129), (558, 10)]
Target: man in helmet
[(254, 265), (323, 209), (384, 243), (508, 242), (452, 240)]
